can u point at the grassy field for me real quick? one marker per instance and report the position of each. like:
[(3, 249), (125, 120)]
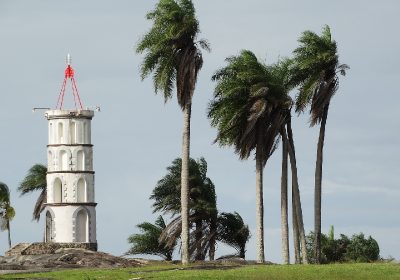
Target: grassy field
[(336, 271)]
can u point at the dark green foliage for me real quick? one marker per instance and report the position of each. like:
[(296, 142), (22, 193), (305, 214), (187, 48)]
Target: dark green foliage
[(361, 249), (172, 52), (247, 104), (207, 225), (166, 194), (233, 232), (147, 242), (315, 70), (202, 205), (354, 249), (36, 181)]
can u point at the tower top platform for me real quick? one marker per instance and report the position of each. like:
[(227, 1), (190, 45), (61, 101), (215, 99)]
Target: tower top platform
[(66, 114)]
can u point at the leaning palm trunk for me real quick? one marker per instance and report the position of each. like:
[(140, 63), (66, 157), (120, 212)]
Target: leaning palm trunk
[(318, 187), (296, 194), (296, 240), (259, 205), (213, 233), (284, 201), (198, 240), (185, 184), (9, 233)]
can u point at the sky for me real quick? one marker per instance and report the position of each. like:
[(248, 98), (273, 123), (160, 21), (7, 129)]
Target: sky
[(136, 135)]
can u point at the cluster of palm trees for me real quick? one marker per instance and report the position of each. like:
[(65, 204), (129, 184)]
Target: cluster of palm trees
[(209, 226), (251, 107)]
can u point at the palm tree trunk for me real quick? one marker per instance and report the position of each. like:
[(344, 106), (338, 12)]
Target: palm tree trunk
[(9, 233), (296, 240), (296, 194), (242, 253), (198, 236), (185, 184), (213, 232), (284, 200), (318, 187), (259, 205)]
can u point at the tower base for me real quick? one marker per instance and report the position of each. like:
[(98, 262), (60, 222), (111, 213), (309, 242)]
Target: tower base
[(40, 248)]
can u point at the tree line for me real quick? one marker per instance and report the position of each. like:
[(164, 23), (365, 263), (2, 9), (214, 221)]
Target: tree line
[(251, 107), (252, 111)]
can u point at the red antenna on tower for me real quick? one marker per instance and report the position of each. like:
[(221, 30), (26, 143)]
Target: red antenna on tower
[(69, 74)]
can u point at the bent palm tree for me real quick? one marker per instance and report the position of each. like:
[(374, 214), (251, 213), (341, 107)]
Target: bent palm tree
[(202, 205), (35, 180), (147, 242), (246, 110), (315, 70), (280, 77), (233, 232), (7, 212), (173, 55)]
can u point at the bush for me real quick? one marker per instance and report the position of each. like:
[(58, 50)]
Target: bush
[(356, 249)]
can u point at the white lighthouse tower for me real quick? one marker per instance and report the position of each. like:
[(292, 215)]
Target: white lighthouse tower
[(70, 206)]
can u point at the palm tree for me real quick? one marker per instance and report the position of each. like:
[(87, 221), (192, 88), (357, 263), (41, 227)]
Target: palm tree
[(246, 110), (284, 202), (233, 232), (172, 54), (315, 71), (280, 77), (35, 180), (7, 212), (202, 205), (298, 224), (147, 243)]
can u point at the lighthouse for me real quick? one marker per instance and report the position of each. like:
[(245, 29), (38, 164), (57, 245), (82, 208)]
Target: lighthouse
[(70, 207)]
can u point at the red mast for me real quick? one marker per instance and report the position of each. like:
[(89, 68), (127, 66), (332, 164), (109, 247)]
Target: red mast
[(69, 74)]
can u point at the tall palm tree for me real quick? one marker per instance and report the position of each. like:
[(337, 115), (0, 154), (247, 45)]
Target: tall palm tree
[(284, 202), (315, 71), (234, 232), (172, 54), (35, 180), (202, 205), (7, 212), (280, 77), (246, 110), (147, 242)]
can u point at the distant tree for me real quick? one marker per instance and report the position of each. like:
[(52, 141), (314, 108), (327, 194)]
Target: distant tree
[(315, 70), (247, 111), (344, 249), (173, 55), (35, 180), (361, 249), (233, 232), (7, 212), (147, 242)]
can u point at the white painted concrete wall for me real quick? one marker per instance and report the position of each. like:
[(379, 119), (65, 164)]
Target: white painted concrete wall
[(70, 161)]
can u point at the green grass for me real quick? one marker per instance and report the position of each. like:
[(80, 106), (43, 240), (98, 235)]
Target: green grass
[(167, 271)]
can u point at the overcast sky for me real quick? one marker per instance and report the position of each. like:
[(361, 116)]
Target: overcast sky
[(136, 135)]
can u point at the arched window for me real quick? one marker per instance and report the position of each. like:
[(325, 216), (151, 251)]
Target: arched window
[(49, 227), (63, 164), (84, 133), (81, 226), (81, 191), (57, 191), (50, 161), (80, 161), (72, 132), (51, 136), (60, 133)]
